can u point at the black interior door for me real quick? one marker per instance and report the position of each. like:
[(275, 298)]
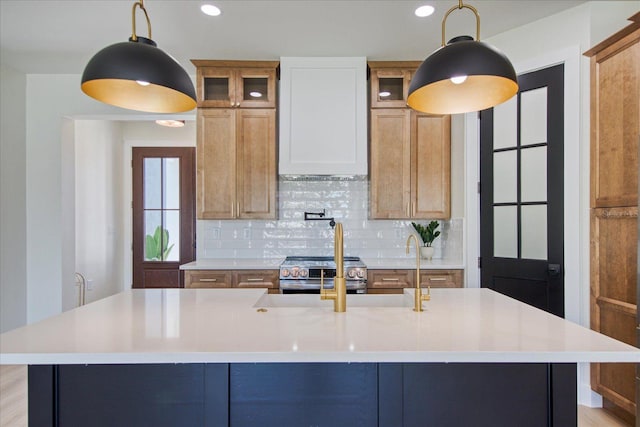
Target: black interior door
[(521, 197)]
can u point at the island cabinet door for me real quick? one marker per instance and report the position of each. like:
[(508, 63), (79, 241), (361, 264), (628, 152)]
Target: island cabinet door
[(129, 395), (303, 394)]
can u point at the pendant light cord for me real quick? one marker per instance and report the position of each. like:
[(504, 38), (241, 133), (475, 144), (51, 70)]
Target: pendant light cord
[(140, 4), (459, 6)]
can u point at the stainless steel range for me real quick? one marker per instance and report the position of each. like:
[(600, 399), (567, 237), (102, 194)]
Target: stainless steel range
[(301, 274)]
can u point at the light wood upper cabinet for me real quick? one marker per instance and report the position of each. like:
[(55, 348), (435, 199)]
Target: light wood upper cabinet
[(410, 152), (236, 172), (236, 84), (615, 118), (236, 145), (410, 165)]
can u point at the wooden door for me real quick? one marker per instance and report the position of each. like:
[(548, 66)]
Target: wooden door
[(163, 215), (431, 166), (521, 178), (390, 163), (216, 164)]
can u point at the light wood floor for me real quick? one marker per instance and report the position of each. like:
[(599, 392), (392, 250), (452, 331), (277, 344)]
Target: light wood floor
[(13, 403)]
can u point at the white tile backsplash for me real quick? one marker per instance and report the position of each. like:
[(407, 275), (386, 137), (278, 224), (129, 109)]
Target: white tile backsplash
[(347, 200)]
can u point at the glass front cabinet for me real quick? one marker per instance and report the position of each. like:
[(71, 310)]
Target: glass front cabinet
[(390, 82), (230, 84)]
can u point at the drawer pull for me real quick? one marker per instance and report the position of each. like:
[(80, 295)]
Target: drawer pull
[(390, 279), (255, 279), (437, 279), (208, 280)]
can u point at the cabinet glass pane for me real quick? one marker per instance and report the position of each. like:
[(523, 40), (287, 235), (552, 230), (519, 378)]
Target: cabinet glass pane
[(505, 124), (505, 231), (533, 174), (171, 183), (534, 231), (255, 88), (152, 168), (171, 249), (390, 88), (216, 88), (505, 174), (533, 116)]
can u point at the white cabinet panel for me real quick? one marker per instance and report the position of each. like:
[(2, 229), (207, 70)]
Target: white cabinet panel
[(323, 116)]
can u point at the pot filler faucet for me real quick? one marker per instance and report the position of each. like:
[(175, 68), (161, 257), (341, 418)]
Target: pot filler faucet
[(339, 292), (418, 295)]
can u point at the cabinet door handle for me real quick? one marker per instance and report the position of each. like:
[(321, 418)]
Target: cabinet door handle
[(255, 279), (390, 279), (208, 280), (437, 279), (238, 209), (413, 209), (408, 209)]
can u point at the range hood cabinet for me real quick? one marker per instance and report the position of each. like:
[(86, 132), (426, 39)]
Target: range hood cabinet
[(323, 116)]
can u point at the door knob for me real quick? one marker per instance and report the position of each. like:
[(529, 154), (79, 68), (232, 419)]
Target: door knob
[(553, 269)]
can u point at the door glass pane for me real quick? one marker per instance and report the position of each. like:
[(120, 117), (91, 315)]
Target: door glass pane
[(505, 177), (390, 88), (171, 183), (255, 88), (216, 88), (505, 124), (171, 248), (533, 116), (533, 174), (534, 231), (505, 231), (152, 179), (153, 235)]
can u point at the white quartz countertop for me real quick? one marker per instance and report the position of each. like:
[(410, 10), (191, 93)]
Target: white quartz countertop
[(225, 325), (410, 263), (274, 263), (234, 264)]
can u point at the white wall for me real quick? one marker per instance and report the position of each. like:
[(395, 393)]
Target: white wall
[(98, 206), (13, 224), (563, 38), (49, 100)]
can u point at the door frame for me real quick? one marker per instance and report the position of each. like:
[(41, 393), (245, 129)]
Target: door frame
[(127, 186), (576, 195)]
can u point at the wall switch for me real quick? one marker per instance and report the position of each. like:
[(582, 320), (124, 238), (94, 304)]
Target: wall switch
[(89, 284)]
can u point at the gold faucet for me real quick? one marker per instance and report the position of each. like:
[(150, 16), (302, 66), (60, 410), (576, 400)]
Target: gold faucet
[(418, 295), (339, 292)]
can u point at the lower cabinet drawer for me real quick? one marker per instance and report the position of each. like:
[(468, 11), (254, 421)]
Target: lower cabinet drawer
[(207, 279), (441, 278), (257, 279), (389, 279)]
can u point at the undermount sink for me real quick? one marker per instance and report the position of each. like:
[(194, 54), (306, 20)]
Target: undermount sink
[(353, 300)]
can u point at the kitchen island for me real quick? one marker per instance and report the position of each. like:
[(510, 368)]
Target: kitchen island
[(242, 357)]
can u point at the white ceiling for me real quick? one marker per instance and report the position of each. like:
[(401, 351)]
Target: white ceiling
[(49, 36)]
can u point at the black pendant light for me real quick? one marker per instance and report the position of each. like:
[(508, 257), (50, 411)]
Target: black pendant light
[(139, 76), (462, 76)]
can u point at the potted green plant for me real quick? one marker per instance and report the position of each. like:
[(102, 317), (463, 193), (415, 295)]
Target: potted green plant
[(428, 234)]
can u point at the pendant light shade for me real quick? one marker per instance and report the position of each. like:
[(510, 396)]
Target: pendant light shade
[(462, 76), (139, 76)]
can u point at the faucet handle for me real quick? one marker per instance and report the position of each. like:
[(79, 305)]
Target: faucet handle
[(426, 297), (323, 292)]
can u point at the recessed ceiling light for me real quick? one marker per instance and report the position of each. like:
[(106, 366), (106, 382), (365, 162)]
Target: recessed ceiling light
[(425, 10), (384, 94), (170, 123), (255, 94), (209, 9)]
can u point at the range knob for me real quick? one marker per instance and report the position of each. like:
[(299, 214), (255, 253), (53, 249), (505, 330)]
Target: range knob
[(285, 272), (352, 273), (304, 272), (361, 274)]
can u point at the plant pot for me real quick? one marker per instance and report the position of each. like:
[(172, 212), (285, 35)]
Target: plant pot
[(426, 252)]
